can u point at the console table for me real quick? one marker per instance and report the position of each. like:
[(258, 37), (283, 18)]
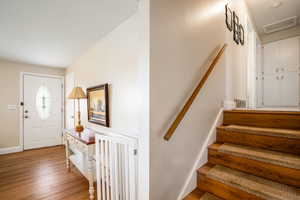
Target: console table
[(80, 150)]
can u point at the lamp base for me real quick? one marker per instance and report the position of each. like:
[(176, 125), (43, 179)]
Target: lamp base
[(79, 128)]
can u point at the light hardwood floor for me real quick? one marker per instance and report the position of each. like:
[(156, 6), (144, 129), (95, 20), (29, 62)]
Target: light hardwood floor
[(40, 175)]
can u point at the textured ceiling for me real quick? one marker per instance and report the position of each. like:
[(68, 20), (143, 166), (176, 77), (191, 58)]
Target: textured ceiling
[(263, 13), (55, 32)]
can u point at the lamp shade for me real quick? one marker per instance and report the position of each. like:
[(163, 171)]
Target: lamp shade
[(77, 93)]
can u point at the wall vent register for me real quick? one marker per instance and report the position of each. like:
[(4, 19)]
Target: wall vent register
[(281, 25)]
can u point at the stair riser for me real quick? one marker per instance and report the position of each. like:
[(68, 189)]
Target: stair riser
[(270, 171), (222, 190), (281, 120), (282, 144)]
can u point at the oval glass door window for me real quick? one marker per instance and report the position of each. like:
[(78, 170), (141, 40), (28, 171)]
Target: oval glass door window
[(43, 102)]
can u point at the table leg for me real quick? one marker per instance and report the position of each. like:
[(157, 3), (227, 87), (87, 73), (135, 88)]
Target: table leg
[(67, 156), (91, 178)]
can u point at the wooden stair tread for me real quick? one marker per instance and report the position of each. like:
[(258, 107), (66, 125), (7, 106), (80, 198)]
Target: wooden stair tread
[(268, 156), (259, 118), (208, 196), (198, 194), (255, 165), (271, 141), (195, 195), (263, 188), (263, 111), (275, 132)]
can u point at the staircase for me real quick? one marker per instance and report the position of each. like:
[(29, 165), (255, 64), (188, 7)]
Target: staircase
[(256, 157)]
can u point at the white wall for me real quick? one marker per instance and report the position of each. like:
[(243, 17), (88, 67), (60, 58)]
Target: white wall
[(122, 60), (183, 36), (10, 91), (237, 55)]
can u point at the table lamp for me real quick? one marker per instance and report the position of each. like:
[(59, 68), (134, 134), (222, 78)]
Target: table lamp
[(78, 93)]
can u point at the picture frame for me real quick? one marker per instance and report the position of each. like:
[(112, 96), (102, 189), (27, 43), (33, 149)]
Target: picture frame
[(236, 28), (228, 17), (242, 34), (98, 105)]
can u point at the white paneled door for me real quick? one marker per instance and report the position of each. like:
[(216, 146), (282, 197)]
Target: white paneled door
[(43, 111), (281, 73)]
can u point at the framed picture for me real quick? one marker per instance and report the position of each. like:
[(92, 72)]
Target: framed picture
[(98, 105), (236, 28), (228, 14), (242, 34)]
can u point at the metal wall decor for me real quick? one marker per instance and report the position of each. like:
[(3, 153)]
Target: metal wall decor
[(242, 35), (236, 28), (232, 23), (228, 17)]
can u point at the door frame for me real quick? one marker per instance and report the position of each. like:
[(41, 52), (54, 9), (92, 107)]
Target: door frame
[(251, 66), (259, 73), (74, 102), (21, 100)]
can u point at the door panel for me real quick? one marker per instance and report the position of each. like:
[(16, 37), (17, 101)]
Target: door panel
[(42, 111), (290, 89), (271, 90), (271, 55), (289, 54)]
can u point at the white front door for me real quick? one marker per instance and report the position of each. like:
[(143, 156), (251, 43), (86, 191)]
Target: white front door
[(43, 114)]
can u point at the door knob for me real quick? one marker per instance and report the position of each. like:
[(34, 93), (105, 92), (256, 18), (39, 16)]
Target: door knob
[(26, 117)]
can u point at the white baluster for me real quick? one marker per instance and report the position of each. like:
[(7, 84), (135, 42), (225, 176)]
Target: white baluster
[(132, 172), (102, 142), (116, 174), (98, 169), (121, 171), (111, 171), (126, 172), (106, 170)]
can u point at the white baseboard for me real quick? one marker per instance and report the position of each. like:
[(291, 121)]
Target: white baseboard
[(10, 150), (191, 181)]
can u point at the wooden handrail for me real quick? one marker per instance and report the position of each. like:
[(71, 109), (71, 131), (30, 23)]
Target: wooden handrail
[(189, 102)]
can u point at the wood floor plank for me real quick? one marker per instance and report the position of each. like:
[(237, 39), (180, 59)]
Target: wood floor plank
[(40, 175)]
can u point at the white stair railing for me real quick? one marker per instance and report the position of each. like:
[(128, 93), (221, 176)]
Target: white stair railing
[(116, 167)]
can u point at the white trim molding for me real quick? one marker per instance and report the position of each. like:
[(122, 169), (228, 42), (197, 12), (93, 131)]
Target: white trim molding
[(202, 158), (10, 150)]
